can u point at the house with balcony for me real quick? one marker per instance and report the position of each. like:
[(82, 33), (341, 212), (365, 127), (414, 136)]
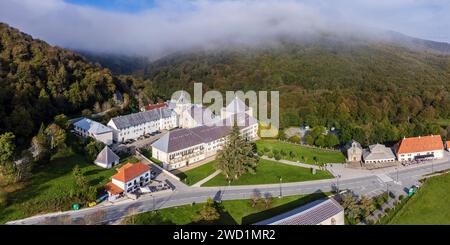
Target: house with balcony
[(128, 179)]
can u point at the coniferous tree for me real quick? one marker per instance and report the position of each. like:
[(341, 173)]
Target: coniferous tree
[(237, 157)]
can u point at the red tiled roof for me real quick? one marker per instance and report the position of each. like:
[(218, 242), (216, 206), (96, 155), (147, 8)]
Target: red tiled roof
[(130, 171), (420, 144), (113, 189), (154, 106)]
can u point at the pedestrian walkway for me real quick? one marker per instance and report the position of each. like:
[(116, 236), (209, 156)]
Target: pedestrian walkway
[(201, 182), (304, 165), (341, 171)]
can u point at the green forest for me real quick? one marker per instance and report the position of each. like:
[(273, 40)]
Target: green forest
[(39, 81), (372, 92)]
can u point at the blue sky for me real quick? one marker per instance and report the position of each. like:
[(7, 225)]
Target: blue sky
[(130, 6), (156, 27)]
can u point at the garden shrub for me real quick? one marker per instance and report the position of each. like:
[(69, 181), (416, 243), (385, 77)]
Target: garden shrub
[(277, 156)]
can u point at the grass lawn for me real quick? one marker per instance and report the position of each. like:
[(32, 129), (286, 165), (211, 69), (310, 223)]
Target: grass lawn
[(302, 154), (194, 175), (430, 205), (269, 172), (231, 212), (48, 190)]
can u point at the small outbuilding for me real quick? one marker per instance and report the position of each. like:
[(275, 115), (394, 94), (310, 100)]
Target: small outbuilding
[(107, 158)]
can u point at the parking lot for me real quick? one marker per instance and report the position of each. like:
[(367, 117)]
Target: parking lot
[(142, 142)]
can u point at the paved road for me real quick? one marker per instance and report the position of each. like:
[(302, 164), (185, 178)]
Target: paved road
[(366, 185)]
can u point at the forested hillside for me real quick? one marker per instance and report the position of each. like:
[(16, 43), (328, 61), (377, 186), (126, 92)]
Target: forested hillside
[(372, 91), (39, 81)]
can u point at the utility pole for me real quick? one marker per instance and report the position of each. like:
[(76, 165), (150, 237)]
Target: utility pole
[(281, 193), (397, 174), (337, 182), (387, 190), (154, 203)]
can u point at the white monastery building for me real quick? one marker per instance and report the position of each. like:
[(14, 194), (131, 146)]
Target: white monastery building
[(89, 128), (135, 125), (420, 148), (128, 179), (181, 147)]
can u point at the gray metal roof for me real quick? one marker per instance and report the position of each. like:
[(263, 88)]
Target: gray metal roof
[(92, 126), (139, 118), (107, 156), (236, 106), (378, 152), (201, 114), (186, 137), (310, 214)]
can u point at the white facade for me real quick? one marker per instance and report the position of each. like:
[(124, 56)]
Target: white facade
[(128, 179), (89, 128), (135, 131), (195, 153), (406, 157), (134, 184), (181, 158)]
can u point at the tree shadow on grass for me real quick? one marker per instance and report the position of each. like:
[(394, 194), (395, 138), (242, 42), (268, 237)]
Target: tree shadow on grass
[(182, 176), (93, 172), (224, 218), (266, 214)]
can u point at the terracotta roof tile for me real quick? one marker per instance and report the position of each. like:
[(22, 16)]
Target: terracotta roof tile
[(130, 171), (113, 189), (155, 106), (420, 144)]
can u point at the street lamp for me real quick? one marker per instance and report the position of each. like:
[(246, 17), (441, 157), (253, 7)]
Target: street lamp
[(154, 203), (387, 190), (281, 194), (337, 182), (397, 173)]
